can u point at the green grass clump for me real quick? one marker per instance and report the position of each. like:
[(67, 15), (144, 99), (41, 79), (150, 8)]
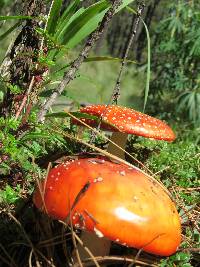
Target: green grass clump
[(175, 163)]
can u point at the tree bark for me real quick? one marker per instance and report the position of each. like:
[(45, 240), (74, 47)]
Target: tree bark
[(23, 57)]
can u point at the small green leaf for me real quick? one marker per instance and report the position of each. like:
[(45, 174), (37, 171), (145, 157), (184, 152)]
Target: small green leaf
[(91, 59), (15, 17), (49, 92), (10, 195), (76, 114), (15, 89), (33, 136)]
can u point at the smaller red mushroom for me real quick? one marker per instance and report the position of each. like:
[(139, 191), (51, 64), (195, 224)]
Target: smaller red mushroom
[(126, 120), (123, 121), (112, 200)]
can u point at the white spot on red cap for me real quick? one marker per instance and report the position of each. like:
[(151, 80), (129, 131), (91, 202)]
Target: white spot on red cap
[(135, 198), (98, 232)]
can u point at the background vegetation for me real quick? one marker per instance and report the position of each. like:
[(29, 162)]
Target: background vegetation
[(35, 53)]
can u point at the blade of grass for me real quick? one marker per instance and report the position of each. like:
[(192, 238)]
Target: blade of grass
[(148, 66), (76, 114), (54, 15), (66, 16), (91, 59), (148, 59), (62, 27), (15, 17)]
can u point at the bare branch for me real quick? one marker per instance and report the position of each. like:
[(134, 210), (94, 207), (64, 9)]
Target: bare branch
[(135, 23), (70, 74)]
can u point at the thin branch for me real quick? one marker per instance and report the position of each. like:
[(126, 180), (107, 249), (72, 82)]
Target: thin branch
[(135, 22), (70, 74)]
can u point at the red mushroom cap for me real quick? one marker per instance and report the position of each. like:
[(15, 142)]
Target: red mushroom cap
[(112, 200), (117, 118)]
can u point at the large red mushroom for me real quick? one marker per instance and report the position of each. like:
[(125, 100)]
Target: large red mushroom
[(112, 200)]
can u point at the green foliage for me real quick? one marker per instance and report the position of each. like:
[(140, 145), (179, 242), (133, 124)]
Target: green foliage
[(10, 195), (82, 25), (189, 103), (181, 157), (75, 24), (14, 89), (176, 163), (180, 259), (176, 61), (22, 150)]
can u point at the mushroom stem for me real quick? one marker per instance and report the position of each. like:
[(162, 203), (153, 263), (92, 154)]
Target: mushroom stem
[(119, 139), (97, 246)]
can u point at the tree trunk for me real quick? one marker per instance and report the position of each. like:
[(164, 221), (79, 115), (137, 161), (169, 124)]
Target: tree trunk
[(23, 58)]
